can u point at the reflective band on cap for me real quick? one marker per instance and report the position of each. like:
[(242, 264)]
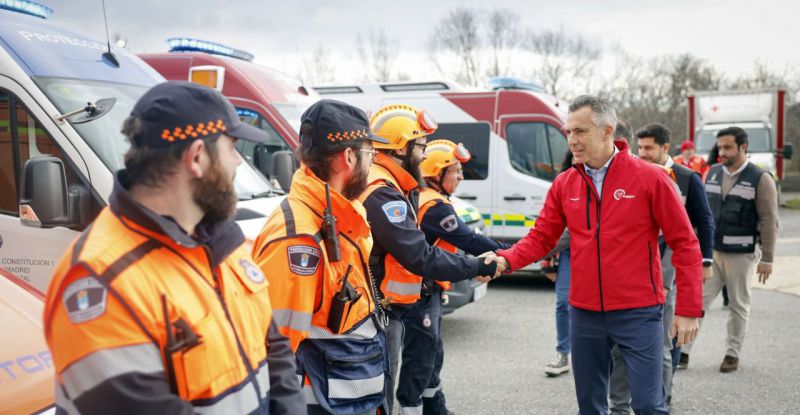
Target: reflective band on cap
[(102, 365), (293, 319), (403, 288), (353, 389), (737, 240)]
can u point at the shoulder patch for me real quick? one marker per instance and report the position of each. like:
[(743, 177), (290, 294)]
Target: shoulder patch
[(253, 273), (395, 211), (84, 300), (303, 259), (449, 223)]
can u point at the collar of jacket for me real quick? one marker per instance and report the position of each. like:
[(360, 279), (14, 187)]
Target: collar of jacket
[(403, 178), (221, 238), (310, 190), (621, 155)]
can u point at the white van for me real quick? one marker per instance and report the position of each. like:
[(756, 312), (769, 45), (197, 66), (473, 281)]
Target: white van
[(515, 137), (68, 161)]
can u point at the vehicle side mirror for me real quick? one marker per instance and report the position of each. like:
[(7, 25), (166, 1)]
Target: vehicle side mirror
[(788, 151), (283, 167), (45, 199)]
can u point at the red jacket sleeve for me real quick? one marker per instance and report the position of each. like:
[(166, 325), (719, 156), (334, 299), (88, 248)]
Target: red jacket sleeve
[(543, 235), (671, 217)]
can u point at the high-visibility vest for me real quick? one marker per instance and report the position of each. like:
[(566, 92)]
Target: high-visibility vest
[(118, 287), (399, 285), (342, 370), (428, 197)]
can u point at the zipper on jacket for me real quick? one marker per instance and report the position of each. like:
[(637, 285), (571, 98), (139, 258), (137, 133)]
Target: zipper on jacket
[(588, 208), (650, 264)]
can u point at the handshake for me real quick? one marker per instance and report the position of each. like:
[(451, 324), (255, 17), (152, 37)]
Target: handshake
[(500, 262)]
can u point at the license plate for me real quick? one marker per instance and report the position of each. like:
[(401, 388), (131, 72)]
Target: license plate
[(479, 292)]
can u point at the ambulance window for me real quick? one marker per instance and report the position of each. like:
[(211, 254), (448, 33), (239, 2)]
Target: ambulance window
[(529, 149), (8, 180), (260, 155), (558, 147), (475, 137)]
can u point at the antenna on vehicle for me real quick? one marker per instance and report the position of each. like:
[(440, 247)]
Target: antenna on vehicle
[(108, 55)]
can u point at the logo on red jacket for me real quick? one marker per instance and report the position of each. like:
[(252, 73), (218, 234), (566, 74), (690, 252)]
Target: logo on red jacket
[(620, 194)]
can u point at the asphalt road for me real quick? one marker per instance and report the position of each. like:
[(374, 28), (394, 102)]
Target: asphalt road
[(496, 350)]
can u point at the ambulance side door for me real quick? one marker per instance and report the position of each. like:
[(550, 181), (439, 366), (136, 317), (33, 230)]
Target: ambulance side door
[(28, 253)]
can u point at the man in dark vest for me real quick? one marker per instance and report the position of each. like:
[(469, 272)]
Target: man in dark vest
[(744, 201), (653, 146)]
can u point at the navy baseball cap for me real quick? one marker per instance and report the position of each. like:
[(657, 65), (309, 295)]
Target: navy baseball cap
[(180, 111), (336, 122)]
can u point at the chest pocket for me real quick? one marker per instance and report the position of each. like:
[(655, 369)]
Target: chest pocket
[(200, 372)]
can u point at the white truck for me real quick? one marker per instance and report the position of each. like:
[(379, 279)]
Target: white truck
[(760, 112)]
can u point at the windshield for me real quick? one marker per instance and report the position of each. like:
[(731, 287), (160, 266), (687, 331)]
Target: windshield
[(103, 134), (757, 140), (292, 113)]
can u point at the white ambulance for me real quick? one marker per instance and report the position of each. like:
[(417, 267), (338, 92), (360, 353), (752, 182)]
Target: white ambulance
[(68, 161)]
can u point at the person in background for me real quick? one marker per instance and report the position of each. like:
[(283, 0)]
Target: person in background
[(624, 132), (744, 202), (689, 159)]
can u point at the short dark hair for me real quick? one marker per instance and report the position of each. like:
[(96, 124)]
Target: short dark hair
[(318, 158), (658, 132), (149, 166), (738, 134), (623, 131)]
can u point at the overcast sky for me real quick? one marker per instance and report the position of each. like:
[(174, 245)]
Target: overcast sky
[(730, 34)]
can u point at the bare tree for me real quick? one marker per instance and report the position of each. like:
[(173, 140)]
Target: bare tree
[(457, 34), (563, 57), (377, 55), (319, 69), (502, 36)]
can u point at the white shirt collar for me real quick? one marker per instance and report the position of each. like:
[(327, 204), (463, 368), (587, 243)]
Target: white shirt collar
[(739, 170), (669, 162)]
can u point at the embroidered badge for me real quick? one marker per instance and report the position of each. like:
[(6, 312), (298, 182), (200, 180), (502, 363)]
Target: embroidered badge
[(252, 271), (84, 300), (395, 211), (449, 223), (303, 260)]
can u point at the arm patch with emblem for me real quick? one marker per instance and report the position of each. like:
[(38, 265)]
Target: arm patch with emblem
[(303, 260), (395, 211), (449, 223)]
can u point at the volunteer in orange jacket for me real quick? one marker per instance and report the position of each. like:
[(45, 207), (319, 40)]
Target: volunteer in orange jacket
[(614, 206), (401, 256), (157, 308), (419, 389), (315, 250)]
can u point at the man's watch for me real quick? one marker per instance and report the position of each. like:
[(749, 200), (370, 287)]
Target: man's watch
[(708, 262)]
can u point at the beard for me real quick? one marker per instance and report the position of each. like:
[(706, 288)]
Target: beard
[(412, 167), (215, 194), (356, 184)]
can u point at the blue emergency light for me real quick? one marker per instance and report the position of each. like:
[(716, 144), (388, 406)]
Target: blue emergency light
[(184, 44), (26, 7), (505, 82), (242, 112)]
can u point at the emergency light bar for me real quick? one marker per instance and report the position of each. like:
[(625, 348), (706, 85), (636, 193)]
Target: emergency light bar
[(502, 82), (245, 113), (26, 7), (184, 44)]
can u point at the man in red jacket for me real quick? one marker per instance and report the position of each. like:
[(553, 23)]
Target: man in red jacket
[(614, 206)]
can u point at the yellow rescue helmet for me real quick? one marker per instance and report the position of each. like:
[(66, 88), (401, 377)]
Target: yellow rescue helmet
[(439, 154), (400, 124)]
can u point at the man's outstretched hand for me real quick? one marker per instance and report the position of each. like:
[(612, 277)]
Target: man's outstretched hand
[(488, 258)]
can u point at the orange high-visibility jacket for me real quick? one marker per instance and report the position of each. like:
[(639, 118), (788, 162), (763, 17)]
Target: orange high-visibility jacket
[(428, 198), (342, 367), (291, 250), (126, 279), (399, 285)]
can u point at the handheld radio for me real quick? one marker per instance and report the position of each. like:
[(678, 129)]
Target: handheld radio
[(329, 231)]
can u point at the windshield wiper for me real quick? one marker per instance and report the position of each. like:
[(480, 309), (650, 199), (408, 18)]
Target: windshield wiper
[(91, 111)]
